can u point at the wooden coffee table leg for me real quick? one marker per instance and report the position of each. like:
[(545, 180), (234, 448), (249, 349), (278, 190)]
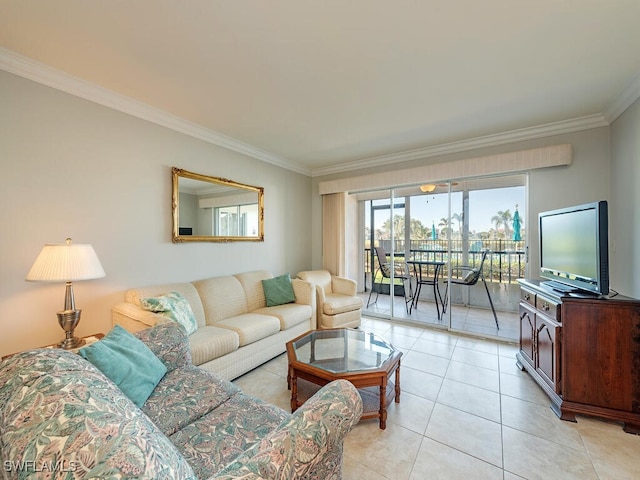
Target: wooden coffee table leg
[(294, 391), (398, 384), (383, 405)]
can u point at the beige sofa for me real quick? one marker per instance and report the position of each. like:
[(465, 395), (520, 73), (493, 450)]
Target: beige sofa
[(236, 330)]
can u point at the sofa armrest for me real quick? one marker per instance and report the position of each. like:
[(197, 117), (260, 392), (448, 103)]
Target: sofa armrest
[(308, 441), (58, 410), (304, 291), (169, 342), (344, 286), (133, 318)]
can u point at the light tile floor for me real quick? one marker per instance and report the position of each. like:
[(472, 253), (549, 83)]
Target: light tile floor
[(472, 320), (466, 412)]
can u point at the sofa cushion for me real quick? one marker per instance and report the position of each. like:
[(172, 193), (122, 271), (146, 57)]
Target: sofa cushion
[(127, 362), (252, 284), (222, 297), (289, 315), (278, 290), (56, 408), (335, 304), (208, 343), (173, 306), (215, 440), (251, 327), (187, 290), (184, 395)]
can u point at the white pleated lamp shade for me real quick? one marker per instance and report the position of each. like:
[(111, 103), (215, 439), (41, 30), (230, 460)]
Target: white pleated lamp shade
[(66, 262)]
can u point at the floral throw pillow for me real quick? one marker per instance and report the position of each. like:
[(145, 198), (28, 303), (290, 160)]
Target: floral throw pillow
[(174, 306)]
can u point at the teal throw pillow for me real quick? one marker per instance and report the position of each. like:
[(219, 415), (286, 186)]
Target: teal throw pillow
[(278, 290), (174, 306), (128, 362)]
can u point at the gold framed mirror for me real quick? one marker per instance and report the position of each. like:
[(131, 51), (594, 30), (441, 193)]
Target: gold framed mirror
[(214, 209)]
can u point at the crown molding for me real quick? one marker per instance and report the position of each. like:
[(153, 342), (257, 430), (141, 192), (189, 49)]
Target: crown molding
[(627, 97), (38, 72), (529, 133), (51, 77)]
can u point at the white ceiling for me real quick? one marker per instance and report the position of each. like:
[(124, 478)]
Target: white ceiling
[(327, 85)]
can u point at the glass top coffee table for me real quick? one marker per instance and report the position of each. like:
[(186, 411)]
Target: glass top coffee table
[(367, 361)]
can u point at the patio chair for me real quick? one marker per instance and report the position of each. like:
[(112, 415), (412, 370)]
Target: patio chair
[(470, 279), (401, 271)]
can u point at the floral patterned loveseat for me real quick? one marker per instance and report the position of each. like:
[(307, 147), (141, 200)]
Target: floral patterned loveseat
[(60, 417)]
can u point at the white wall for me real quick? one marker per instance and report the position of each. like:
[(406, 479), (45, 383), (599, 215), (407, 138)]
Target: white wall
[(71, 168), (625, 193), (586, 180)]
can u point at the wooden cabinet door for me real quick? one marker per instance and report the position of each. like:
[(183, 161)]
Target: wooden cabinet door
[(603, 353), (548, 351), (527, 332)]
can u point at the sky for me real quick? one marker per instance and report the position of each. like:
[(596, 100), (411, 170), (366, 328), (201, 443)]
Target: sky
[(483, 204)]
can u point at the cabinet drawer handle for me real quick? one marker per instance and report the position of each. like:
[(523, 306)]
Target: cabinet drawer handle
[(527, 297), (546, 306)]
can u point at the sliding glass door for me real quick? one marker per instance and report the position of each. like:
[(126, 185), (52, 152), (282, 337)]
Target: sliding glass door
[(489, 257), (387, 285), (436, 237)]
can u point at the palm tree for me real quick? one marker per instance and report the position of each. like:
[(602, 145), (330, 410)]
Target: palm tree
[(458, 218), (418, 230), (444, 226), (497, 221), (382, 233), (502, 218), (398, 228), (507, 218)]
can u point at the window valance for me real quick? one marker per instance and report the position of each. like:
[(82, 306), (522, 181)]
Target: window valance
[(501, 163)]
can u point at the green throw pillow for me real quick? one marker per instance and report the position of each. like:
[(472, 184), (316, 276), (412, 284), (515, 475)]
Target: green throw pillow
[(174, 306), (278, 290), (128, 362)]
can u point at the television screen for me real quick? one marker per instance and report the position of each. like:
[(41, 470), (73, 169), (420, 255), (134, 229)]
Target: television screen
[(574, 247)]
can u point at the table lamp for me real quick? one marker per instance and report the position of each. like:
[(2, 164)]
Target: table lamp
[(68, 263)]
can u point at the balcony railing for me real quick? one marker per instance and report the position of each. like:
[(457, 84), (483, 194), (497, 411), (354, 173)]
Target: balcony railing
[(505, 262)]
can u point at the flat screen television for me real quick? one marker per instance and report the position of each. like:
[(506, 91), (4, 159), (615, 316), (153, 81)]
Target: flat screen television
[(574, 248)]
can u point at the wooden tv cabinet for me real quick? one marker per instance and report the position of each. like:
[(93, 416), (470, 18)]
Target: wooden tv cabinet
[(583, 351)]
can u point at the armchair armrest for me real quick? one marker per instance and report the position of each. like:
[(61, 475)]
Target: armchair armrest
[(344, 286), (306, 441), (321, 295)]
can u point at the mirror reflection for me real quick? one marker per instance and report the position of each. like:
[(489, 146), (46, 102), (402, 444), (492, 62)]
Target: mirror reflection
[(214, 209)]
